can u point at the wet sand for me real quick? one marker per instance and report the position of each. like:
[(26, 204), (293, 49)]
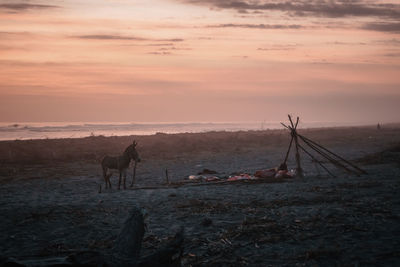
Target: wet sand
[(51, 206)]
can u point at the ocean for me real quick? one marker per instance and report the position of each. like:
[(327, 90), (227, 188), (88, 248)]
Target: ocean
[(50, 130)]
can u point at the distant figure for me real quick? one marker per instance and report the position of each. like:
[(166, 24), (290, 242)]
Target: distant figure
[(378, 126)]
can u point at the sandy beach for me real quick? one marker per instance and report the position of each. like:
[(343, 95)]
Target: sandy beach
[(51, 203)]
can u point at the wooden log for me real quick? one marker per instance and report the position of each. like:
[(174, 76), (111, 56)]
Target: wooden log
[(126, 251), (168, 255)]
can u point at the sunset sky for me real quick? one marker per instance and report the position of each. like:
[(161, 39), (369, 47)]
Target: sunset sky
[(199, 60)]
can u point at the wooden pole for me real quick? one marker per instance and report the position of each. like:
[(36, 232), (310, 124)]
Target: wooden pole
[(166, 176), (299, 170), (287, 153)]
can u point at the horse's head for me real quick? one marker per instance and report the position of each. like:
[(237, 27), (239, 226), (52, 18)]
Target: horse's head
[(131, 150)]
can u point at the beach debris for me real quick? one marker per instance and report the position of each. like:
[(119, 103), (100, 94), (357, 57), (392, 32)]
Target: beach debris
[(269, 173), (195, 177), (260, 174), (285, 174), (275, 173), (231, 178), (205, 175), (212, 176), (212, 179), (204, 178), (207, 171), (243, 176)]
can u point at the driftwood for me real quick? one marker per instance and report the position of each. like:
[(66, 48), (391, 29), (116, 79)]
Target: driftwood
[(168, 255), (126, 251)]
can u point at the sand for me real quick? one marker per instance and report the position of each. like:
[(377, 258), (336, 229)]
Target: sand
[(50, 203)]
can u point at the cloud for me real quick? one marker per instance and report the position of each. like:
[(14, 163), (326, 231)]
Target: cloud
[(162, 44), (392, 54), (173, 48), (171, 40), (160, 53), (241, 57), (393, 41), (122, 37), (110, 37), (10, 35), (346, 43), (278, 48), (257, 26), (12, 48), (301, 8), (382, 27), (22, 7)]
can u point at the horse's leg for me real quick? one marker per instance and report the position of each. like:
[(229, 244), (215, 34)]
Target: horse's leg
[(125, 170), (105, 174), (108, 179), (134, 174)]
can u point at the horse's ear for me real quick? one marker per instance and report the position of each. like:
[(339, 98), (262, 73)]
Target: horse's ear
[(134, 143)]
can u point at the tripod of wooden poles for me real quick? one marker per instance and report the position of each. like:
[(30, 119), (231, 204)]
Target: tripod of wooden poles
[(328, 155)]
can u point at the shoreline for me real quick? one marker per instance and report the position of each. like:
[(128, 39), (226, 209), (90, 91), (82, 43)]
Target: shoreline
[(92, 148), (68, 131)]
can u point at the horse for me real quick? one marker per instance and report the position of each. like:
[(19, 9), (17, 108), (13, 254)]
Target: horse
[(120, 163)]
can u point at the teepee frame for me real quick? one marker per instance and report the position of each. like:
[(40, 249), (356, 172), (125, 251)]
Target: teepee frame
[(331, 157)]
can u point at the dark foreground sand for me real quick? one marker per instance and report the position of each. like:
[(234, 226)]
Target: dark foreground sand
[(50, 203)]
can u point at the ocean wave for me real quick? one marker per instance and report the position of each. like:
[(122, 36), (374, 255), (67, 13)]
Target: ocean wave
[(12, 131)]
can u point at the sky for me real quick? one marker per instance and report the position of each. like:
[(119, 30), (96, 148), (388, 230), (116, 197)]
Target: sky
[(199, 60)]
